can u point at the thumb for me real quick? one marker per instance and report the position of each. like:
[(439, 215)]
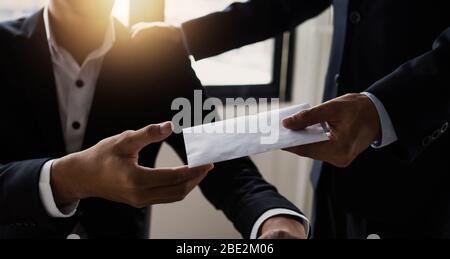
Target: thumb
[(146, 136), (306, 118)]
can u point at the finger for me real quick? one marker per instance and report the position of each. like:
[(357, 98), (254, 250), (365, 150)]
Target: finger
[(155, 29), (154, 178), (135, 29), (174, 193), (137, 140), (138, 27), (304, 119)]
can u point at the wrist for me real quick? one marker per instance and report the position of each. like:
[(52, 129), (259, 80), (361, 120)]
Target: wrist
[(65, 178)]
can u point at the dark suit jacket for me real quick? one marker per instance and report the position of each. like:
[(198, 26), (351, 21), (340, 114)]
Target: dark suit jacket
[(398, 191), (136, 86)]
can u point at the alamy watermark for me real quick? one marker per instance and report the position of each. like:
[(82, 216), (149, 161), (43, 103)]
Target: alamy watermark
[(221, 114)]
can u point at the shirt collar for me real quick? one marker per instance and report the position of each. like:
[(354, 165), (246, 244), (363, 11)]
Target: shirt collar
[(108, 42)]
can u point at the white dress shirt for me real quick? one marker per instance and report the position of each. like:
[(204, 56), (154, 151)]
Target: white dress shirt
[(75, 90), (388, 134)]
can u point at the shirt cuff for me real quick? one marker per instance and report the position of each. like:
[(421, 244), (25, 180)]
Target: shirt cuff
[(277, 212), (388, 134), (46, 195)]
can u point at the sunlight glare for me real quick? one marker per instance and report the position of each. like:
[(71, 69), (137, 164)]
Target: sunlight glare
[(121, 11)]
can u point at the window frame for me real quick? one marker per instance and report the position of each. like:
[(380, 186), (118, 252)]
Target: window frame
[(283, 60), (281, 85)]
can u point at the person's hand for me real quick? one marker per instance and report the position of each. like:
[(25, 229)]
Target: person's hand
[(354, 125), (110, 170), (157, 30), (282, 227)]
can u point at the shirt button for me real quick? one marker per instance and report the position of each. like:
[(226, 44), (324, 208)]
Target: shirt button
[(76, 125), (355, 17), (444, 127), (373, 237), (79, 83), (73, 237)]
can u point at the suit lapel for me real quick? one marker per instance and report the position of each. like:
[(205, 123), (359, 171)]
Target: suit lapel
[(38, 81)]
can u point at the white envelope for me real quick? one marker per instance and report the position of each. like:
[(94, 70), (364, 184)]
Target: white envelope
[(206, 144)]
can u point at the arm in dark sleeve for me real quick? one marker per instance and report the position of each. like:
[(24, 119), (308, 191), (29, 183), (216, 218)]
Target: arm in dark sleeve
[(19, 185), (20, 201), (417, 98), (245, 23)]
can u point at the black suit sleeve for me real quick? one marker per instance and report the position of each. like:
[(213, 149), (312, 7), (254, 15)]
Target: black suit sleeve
[(20, 202), (245, 23), (19, 196), (417, 98)]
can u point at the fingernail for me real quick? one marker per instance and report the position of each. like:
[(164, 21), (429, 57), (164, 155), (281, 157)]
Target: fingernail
[(166, 127), (287, 122)]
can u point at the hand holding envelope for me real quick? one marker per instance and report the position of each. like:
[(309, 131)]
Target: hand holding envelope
[(210, 143), (354, 125)]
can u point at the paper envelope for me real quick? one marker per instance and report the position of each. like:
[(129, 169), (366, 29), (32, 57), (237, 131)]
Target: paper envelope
[(212, 143)]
